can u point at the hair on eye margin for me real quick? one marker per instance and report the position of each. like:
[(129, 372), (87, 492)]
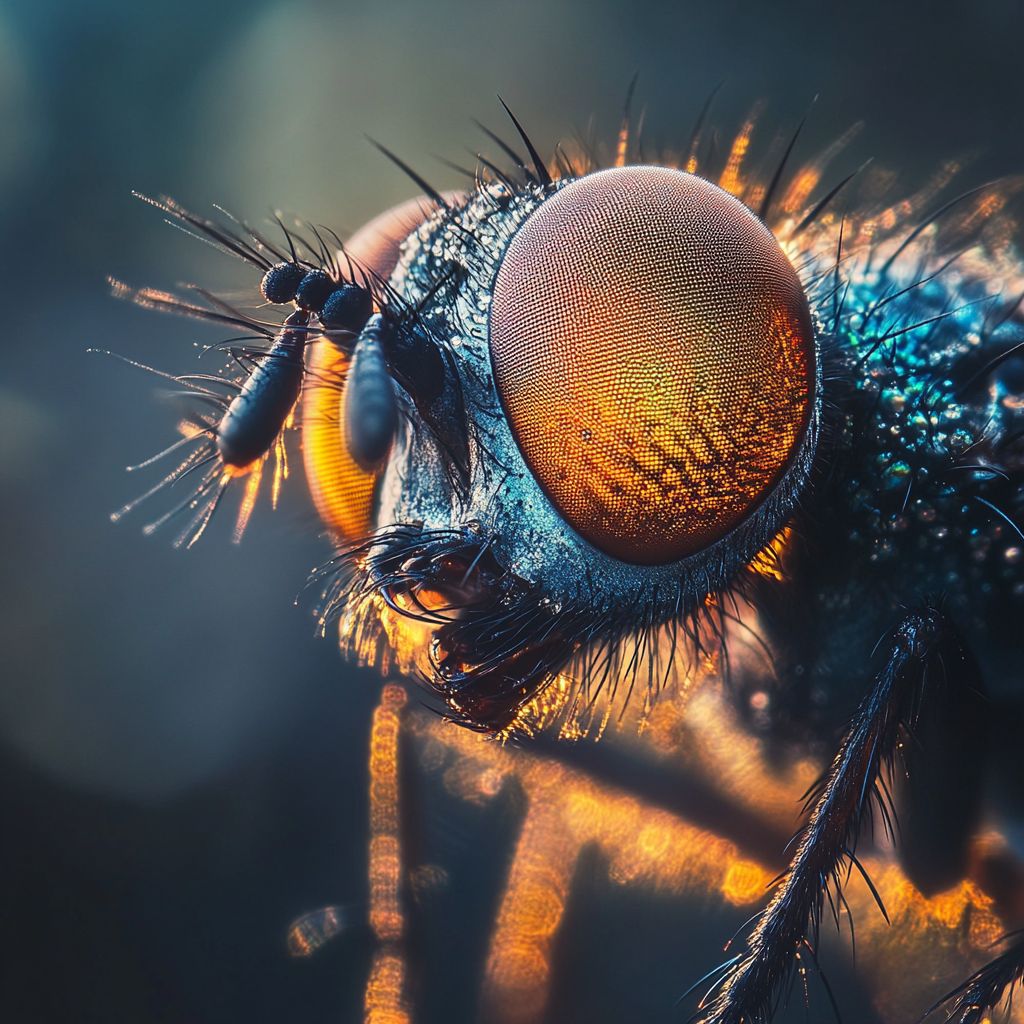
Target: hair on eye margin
[(612, 650)]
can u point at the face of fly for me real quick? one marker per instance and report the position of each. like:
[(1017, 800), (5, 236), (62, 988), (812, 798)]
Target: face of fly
[(629, 411)]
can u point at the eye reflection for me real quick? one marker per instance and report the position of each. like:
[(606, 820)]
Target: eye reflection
[(653, 350)]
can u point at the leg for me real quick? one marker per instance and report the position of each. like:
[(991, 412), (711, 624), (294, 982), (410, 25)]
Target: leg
[(974, 1000), (926, 662)]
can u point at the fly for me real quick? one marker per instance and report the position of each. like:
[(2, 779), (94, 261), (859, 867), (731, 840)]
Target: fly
[(591, 423)]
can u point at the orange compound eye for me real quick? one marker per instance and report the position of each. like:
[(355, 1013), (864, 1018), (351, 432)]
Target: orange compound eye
[(653, 350)]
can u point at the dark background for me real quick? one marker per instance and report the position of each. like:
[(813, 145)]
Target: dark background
[(182, 763)]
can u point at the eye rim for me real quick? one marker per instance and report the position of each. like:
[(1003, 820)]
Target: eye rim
[(571, 588), (778, 489)]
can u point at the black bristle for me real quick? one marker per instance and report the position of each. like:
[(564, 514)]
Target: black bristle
[(495, 170), (770, 193), (458, 168), (698, 127), (819, 207), (403, 166), (538, 165), (213, 234), (928, 221), (973, 1001), (509, 151), (627, 113)]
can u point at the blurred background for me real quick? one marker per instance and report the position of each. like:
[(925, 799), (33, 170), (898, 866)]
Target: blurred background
[(182, 762)]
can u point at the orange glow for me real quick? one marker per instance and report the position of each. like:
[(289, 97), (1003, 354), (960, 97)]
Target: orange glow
[(644, 846), (620, 151), (384, 991), (383, 1003), (408, 640), (254, 475), (800, 190), (572, 711), (710, 740), (385, 866), (769, 561), (656, 363), (906, 208), (909, 965), (252, 489), (519, 963), (691, 160), (987, 207), (229, 472), (567, 812), (905, 966), (544, 710), (755, 197), (730, 179), (745, 882), (280, 461), (385, 879), (796, 197), (188, 429), (312, 930), (575, 155)]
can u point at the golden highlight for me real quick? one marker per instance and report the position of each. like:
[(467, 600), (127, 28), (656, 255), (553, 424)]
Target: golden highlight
[(341, 489), (384, 1001)]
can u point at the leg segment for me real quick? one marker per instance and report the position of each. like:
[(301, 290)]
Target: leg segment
[(973, 1001), (926, 662)]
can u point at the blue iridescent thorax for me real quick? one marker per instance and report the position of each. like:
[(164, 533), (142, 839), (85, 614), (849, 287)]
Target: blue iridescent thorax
[(924, 445)]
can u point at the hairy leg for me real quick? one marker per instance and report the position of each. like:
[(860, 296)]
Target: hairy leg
[(927, 663), (973, 1001)]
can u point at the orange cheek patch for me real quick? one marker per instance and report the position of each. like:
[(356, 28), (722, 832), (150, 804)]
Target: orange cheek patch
[(653, 350), (342, 491)]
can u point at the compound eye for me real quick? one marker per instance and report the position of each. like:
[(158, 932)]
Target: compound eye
[(653, 351)]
